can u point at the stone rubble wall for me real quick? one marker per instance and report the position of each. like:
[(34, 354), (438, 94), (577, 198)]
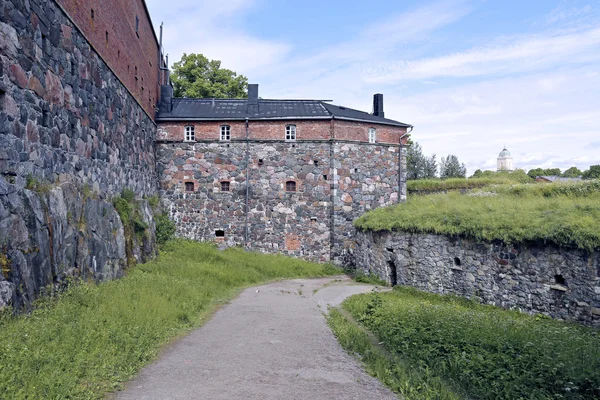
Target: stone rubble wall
[(366, 177), (71, 132), (330, 193), (558, 282)]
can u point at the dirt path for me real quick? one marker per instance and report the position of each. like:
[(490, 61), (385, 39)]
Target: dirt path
[(272, 342)]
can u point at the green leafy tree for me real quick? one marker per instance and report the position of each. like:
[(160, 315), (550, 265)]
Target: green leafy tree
[(419, 166), (197, 76), (431, 167), (415, 162), (477, 174), (534, 173), (450, 167), (552, 172), (592, 173), (572, 172)]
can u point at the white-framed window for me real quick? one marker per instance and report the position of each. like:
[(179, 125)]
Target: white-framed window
[(290, 133), (189, 134), (225, 132), (372, 135)]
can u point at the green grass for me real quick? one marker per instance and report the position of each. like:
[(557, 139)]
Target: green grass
[(410, 381), (488, 352), (564, 214), (91, 338), (436, 185), (372, 279)]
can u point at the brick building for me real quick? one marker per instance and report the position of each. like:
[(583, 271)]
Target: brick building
[(311, 168)]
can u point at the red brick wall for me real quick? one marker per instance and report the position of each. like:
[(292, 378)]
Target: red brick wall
[(275, 130), (359, 131), (125, 51), (174, 131), (305, 130)]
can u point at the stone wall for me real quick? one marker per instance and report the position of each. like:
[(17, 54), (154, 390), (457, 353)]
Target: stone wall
[(366, 176), (335, 183), (69, 131), (558, 282)]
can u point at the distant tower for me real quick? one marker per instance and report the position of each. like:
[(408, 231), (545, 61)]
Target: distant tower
[(505, 161)]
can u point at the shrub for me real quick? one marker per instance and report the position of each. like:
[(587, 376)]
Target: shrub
[(165, 228)]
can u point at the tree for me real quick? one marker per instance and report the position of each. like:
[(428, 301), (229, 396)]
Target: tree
[(572, 172), (592, 173), (430, 170), (419, 166), (197, 76), (552, 172), (534, 173), (415, 162), (450, 167), (477, 174)]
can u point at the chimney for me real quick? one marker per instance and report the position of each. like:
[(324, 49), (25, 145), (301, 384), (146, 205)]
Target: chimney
[(378, 105), (166, 98), (253, 94)]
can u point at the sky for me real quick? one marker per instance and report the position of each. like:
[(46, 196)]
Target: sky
[(471, 76)]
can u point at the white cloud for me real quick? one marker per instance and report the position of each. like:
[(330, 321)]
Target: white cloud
[(518, 55), (539, 123), (210, 28)]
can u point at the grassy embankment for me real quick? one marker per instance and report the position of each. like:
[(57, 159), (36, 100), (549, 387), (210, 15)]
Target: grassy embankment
[(445, 347), (564, 214), (91, 338), (438, 185)]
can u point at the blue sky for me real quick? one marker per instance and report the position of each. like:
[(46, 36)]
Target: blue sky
[(470, 75)]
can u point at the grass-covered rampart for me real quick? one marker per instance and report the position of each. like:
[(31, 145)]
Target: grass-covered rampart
[(91, 338), (445, 347), (440, 185), (564, 214)]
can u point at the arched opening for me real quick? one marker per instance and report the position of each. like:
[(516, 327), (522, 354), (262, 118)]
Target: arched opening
[(393, 273)]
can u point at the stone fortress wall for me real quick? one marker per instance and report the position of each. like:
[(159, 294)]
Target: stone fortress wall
[(72, 135), (558, 282), (337, 180)]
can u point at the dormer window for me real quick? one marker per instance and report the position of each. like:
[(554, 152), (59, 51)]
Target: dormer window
[(372, 135), (225, 133), (189, 134), (290, 133)]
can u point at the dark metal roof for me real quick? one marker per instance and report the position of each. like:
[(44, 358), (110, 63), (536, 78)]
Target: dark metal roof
[(239, 109)]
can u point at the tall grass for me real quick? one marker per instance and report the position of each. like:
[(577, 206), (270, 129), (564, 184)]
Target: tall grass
[(411, 382), (437, 185), (489, 352), (564, 214), (93, 337)]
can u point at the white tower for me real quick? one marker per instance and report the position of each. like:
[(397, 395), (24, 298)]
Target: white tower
[(505, 161)]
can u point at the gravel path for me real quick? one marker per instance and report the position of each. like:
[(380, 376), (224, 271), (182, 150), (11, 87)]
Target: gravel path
[(272, 342)]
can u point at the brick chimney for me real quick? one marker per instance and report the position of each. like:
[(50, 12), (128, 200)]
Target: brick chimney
[(378, 105), (252, 94)]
